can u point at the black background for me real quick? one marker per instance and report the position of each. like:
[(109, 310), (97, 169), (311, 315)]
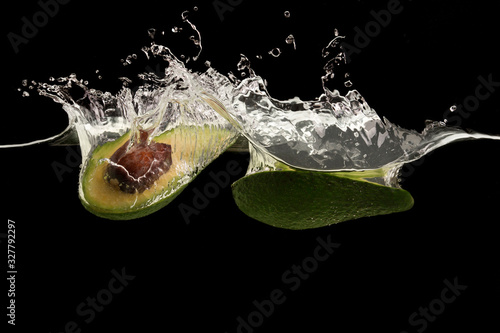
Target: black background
[(201, 276)]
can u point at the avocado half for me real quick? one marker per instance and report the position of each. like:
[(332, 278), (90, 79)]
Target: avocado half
[(192, 148), (299, 199)]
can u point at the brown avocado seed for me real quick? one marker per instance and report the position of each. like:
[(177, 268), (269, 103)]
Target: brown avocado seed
[(138, 168)]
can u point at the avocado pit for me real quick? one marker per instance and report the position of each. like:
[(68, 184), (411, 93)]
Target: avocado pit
[(136, 168)]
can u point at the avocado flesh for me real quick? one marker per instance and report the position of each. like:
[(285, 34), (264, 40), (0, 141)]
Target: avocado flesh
[(193, 147)]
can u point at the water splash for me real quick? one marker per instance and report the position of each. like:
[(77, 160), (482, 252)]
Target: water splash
[(334, 132), (175, 100)]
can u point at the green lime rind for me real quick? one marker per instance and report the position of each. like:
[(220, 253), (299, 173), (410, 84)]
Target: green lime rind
[(308, 199)]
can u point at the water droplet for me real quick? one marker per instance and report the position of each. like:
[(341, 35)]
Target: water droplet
[(453, 108), (244, 63), (243, 74), (208, 63), (291, 40), (128, 60), (356, 134), (52, 79), (195, 8), (152, 32), (24, 82), (275, 52), (85, 82), (100, 77), (195, 41), (25, 94), (287, 14), (96, 71), (348, 83), (258, 56), (125, 81)]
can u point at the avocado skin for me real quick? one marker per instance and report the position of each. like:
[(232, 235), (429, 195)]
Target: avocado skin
[(307, 199)]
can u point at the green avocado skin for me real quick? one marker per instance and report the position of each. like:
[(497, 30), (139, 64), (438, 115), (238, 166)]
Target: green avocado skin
[(304, 199)]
